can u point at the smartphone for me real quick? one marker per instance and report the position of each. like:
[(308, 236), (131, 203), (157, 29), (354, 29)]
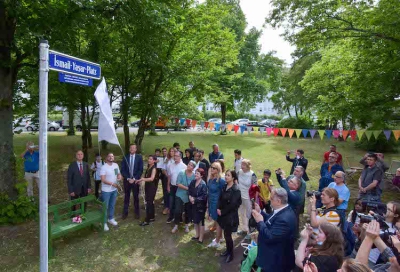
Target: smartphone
[(253, 201)]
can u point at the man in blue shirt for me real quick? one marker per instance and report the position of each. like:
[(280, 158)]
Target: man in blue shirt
[(343, 191), (216, 155), (31, 166)]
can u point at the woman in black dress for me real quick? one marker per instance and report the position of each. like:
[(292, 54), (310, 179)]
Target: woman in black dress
[(150, 189), (198, 203), (228, 206)]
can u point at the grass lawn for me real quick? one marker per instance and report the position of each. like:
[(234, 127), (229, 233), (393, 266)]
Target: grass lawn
[(130, 247)]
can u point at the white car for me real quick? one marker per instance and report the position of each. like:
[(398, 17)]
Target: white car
[(240, 122), (52, 126), (215, 120)]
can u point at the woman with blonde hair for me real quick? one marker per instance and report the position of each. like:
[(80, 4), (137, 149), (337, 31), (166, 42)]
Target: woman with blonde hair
[(246, 178), (215, 185)]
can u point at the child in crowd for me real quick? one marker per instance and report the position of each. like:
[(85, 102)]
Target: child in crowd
[(265, 185), (96, 168)]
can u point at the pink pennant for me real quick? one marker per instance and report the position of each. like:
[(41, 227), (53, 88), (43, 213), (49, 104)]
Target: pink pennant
[(336, 133), (269, 130)]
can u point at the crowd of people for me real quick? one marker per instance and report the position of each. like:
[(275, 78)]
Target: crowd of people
[(195, 188)]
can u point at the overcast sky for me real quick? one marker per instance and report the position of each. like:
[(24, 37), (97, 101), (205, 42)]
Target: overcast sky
[(256, 11)]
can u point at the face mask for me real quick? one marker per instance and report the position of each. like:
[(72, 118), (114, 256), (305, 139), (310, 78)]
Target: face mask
[(320, 243), (297, 157)]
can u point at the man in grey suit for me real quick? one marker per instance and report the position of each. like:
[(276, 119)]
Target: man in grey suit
[(78, 178)]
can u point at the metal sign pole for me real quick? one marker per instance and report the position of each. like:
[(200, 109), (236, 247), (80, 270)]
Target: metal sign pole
[(43, 198)]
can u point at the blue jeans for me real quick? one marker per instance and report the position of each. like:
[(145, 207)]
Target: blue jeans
[(109, 198)]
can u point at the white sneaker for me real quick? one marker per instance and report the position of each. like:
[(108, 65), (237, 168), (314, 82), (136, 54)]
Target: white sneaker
[(113, 222), (214, 244), (187, 229), (106, 227)]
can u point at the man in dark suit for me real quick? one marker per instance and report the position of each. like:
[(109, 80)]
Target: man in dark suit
[(78, 178), (131, 169), (299, 160), (276, 234)]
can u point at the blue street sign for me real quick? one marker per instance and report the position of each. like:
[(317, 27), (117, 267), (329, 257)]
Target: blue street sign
[(71, 65), (75, 79)]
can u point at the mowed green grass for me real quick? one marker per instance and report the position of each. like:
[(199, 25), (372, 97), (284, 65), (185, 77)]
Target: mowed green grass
[(133, 248)]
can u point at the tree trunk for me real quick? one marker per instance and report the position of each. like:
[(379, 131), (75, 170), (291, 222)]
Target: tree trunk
[(126, 131), (295, 111), (288, 111), (71, 116), (140, 135), (223, 112), (7, 158), (84, 133)]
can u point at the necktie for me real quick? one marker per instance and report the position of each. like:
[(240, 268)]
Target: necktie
[(81, 169), (131, 167)]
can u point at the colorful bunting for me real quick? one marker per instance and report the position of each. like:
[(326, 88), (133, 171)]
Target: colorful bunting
[(376, 133), (176, 120), (336, 133), (312, 133), (182, 121), (212, 125), (249, 129), (229, 127), (206, 124), (242, 129), (194, 122), (298, 132), (321, 133), (353, 134), (223, 127), (328, 133), (305, 132), (291, 131), (262, 129), (276, 131), (188, 122), (387, 134), (236, 128), (269, 130), (368, 133), (217, 126), (360, 133), (345, 133), (283, 131), (396, 134), (256, 128)]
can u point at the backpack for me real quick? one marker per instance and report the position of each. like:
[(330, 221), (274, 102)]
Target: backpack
[(348, 235)]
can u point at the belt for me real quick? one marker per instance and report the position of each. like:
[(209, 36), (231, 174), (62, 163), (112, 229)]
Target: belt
[(31, 172)]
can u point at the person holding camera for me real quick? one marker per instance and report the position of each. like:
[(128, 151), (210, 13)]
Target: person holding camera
[(328, 170), (292, 185), (299, 160), (330, 199), (327, 254), (228, 206), (368, 183), (277, 232), (380, 163)]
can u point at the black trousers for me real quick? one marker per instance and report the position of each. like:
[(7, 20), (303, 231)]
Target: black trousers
[(179, 208), (128, 188), (150, 190), (164, 183), (228, 241), (97, 188), (171, 203), (83, 193)]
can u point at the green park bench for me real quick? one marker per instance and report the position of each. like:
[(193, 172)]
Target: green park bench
[(60, 223)]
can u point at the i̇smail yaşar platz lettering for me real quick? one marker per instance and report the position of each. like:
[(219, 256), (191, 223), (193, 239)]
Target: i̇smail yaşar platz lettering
[(75, 66)]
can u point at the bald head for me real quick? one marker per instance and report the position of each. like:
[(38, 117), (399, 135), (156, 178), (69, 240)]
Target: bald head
[(339, 177)]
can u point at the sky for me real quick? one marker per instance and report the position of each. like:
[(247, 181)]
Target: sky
[(256, 11)]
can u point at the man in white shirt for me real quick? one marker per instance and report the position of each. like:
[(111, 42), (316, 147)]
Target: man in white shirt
[(110, 175), (173, 172), (238, 160)]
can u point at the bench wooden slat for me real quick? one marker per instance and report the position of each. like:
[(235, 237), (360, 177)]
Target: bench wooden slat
[(68, 226)]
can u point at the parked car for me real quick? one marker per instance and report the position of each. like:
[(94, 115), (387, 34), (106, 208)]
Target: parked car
[(135, 123), (215, 120), (60, 122), (256, 124), (51, 125), (240, 122), (269, 122), (21, 121)]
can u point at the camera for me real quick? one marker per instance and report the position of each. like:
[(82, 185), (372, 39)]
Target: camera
[(376, 207), (368, 218), (317, 194), (278, 171)]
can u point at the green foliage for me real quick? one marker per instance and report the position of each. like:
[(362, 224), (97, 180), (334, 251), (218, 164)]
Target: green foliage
[(233, 115), (21, 209), (292, 122), (377, 145)]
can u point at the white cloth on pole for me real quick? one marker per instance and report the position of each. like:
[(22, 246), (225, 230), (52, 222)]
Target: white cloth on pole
[(106, 122)]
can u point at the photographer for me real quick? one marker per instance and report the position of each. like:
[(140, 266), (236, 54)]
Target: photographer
[(373, 238), (330, 199), (328, 170), (369, 180), (327, 255), (292, 185), (299, 160), (380, 163)]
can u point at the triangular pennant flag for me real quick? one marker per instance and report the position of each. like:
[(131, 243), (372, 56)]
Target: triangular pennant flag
[(305, 132), (212, 125), (269, 130), (217, 126), (276, 131), (376, 133), (368, 133), (312, 133), (328, 133), (291, 131), (188, 122), (360, 133), (353, 134), (256, 128), (206, 124), (223, 127), (336, 133), (176, 120), (249, 129), (236, 128), (283, 131), (345, 133), (298, 132), (182, 121), (242, 129), (321, 133), (396, 134), (387, 134), (194, 123), (229, 127), (262, 129)]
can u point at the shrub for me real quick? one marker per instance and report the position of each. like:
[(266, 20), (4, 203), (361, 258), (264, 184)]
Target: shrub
[(377, 145), (293, 122)]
